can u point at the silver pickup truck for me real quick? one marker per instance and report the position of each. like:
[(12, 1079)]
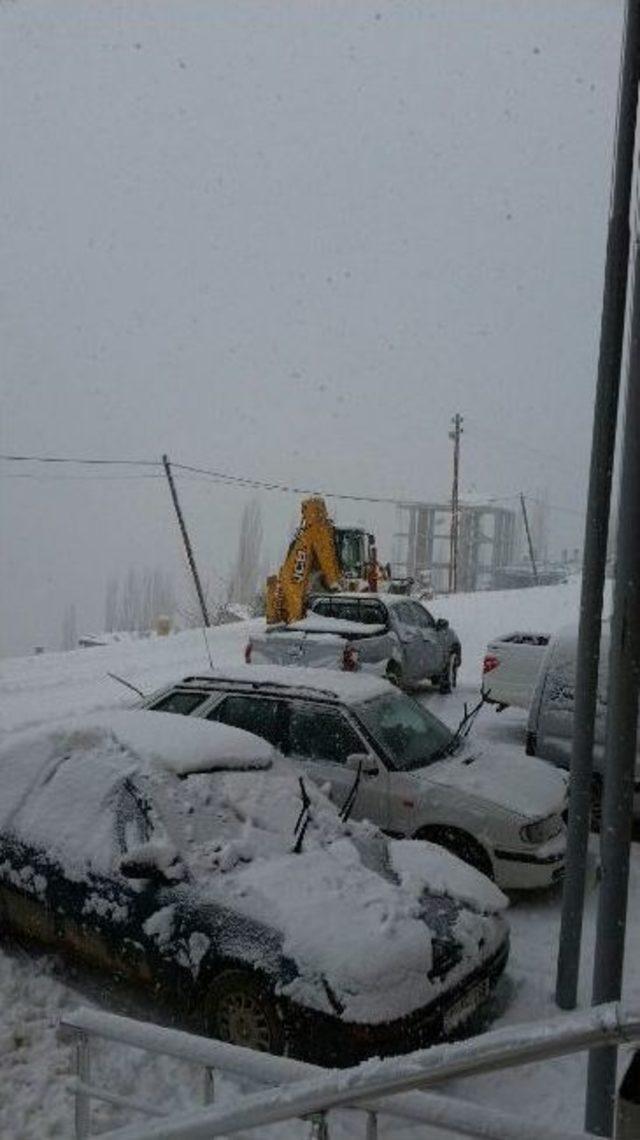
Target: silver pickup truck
[(391, 635)]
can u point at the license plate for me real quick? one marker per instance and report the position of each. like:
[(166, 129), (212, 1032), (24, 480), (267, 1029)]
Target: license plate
[(465, 1006)]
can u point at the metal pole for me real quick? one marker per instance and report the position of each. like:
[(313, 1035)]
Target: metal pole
[(455, 502), (185, 538), (621, 738), (597, 520), (529, 539)]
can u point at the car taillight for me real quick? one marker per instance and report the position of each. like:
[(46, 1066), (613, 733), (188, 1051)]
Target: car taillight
[(350, 658), (247, 652), (490, 662)]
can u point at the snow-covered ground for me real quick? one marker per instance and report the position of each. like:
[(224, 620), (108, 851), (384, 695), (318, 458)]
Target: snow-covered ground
[(34, 1103)]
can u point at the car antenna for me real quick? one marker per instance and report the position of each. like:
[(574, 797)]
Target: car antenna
[(128, 684), (206, 645)]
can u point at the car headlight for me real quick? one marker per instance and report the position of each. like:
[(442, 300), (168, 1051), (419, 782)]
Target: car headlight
[(541, 830)]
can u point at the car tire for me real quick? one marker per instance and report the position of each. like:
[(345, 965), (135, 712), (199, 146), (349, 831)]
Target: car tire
[(449, 675), (461, 844), (240, 1009)]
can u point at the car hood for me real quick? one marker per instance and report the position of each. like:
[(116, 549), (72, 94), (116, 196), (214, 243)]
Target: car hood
[(521, 784), (361, 942)]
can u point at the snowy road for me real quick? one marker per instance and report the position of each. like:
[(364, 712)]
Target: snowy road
[(34, 1104)]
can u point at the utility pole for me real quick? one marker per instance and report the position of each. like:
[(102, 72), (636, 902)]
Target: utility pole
[(455, 435), (185, 538), (529, 539), (605, 414)]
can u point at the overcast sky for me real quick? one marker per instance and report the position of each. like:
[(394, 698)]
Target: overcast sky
[(288, 240)]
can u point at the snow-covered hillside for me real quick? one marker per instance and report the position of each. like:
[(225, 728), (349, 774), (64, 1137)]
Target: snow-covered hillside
[(34, 688)]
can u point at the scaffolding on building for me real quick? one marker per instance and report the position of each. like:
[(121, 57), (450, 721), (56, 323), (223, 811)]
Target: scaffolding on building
[(489, 540)]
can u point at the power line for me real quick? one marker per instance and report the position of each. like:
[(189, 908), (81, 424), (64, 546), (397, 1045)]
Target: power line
[(258, 484), (80, 478), (223, 478), (83, 461), (213, 476)]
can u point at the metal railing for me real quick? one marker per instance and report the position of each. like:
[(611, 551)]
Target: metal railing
[(303, 1091)]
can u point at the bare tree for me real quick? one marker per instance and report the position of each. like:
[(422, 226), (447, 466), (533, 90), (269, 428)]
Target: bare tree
[(157, 598), (111, 605), (144, 596), (243, 584), (129, 606), (189, 607), (70, 628)]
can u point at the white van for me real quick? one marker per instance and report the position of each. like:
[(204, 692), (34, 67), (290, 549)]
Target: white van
[(550, 724)]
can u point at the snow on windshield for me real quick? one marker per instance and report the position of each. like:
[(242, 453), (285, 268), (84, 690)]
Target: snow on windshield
[(224, 819)]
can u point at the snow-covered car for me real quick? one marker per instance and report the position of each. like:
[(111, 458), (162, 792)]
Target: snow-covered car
[(391, 635), (190, 858), (511, 666), (360, 737), (550, 722)]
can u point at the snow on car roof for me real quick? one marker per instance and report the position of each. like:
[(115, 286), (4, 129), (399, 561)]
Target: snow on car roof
[(186, 744), (45, 798), (349, 687), (148, 739)]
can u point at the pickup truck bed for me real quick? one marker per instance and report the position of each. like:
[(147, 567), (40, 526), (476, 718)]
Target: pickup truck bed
[(321, 642), (388, 634)]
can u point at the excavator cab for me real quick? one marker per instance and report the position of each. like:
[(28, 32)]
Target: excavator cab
[(353, 550)]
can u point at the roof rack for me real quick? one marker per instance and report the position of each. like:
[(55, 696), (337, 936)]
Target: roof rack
[(259, 684)]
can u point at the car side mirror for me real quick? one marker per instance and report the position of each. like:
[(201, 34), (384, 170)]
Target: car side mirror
[(365, 761), (154, 863), (442, 623)]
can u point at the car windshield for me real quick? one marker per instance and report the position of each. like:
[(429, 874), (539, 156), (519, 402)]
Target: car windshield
[(409, 733), (220, 819)]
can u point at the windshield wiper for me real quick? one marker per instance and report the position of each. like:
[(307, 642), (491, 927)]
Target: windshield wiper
[(461, 732), (303, 819), (348, 805)]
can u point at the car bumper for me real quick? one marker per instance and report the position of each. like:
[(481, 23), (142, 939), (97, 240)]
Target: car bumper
[(530, 869), (329, 1041)]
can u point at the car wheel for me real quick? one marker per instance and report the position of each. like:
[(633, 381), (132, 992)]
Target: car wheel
[(449, 676), (239, 1009), (460, 844)]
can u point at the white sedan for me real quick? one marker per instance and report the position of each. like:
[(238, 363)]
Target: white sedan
[(382, 756)]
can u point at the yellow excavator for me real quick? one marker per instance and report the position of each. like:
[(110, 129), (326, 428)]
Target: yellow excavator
[(321, 557)]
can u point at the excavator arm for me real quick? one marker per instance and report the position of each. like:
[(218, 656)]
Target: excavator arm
[(312, 553)]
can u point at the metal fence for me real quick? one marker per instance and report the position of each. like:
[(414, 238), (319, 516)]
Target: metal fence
[(295, 1090)]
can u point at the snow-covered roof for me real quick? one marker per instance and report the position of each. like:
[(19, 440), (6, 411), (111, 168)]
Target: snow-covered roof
[(150, 739), (349, 687)]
